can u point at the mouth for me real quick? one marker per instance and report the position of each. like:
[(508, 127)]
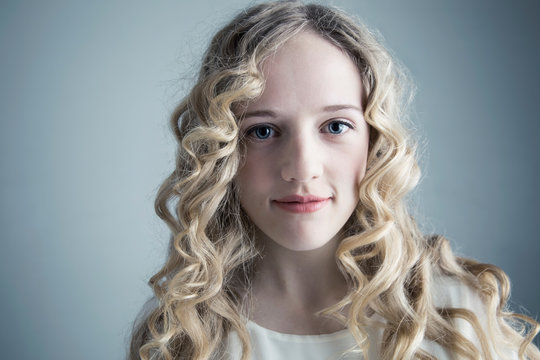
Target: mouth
[(299, 204)]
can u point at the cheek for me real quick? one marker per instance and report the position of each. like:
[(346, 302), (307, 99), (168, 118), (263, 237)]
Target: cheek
[(353, 166), (350, 175), (362, 156), (252, 178), (361, 170)]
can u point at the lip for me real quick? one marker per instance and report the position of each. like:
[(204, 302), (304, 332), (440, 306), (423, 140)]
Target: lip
[(299, 204)]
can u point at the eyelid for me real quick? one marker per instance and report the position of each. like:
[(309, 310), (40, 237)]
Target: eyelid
[(259, 125), (350, 124), (343, 121), (253, 127)]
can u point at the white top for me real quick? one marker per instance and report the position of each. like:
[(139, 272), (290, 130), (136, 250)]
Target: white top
[(272, 345)]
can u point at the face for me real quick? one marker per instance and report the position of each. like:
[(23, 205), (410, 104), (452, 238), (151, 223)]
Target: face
[(306, 145)]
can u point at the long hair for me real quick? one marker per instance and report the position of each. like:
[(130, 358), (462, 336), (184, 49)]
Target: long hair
[(389, 265)]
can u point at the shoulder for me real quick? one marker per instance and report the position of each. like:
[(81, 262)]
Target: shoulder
[(461, 304), (452, 292), (467, 309)]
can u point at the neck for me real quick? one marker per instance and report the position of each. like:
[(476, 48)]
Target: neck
[(296, 283)]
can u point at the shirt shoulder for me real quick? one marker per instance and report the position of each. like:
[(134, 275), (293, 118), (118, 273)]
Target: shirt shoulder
[(450, 292)]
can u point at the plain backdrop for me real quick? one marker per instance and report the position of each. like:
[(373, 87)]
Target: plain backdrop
[(86, 88)]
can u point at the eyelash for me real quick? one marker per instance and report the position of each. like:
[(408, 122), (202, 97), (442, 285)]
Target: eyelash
[(250, 132), (340, 122)]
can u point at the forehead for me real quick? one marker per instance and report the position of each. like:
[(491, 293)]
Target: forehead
[(309, 69)]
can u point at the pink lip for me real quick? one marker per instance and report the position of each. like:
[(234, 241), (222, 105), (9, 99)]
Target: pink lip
[(301, 204)]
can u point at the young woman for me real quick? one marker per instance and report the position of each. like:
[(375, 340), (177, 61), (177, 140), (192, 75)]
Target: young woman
[(291, 238)]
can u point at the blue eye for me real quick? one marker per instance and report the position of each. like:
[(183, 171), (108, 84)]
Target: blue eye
[(261, 132), (337, 127)]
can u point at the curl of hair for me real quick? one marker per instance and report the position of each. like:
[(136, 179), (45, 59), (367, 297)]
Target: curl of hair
[(388, 263)]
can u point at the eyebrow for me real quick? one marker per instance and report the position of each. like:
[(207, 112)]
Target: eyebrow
[(260, 113), (334, 108), (329, 108)]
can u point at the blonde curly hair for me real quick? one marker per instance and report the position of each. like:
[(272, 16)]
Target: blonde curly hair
[(388, 264)]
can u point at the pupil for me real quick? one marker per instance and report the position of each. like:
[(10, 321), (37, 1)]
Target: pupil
[(335, 127), (263, 132)]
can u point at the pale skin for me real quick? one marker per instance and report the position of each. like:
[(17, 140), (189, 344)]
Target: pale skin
[(307, 144)]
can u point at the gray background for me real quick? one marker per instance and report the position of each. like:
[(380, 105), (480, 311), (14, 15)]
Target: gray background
[(85, 92)]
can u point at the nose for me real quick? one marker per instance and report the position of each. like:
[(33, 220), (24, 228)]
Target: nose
[(301, 160)]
